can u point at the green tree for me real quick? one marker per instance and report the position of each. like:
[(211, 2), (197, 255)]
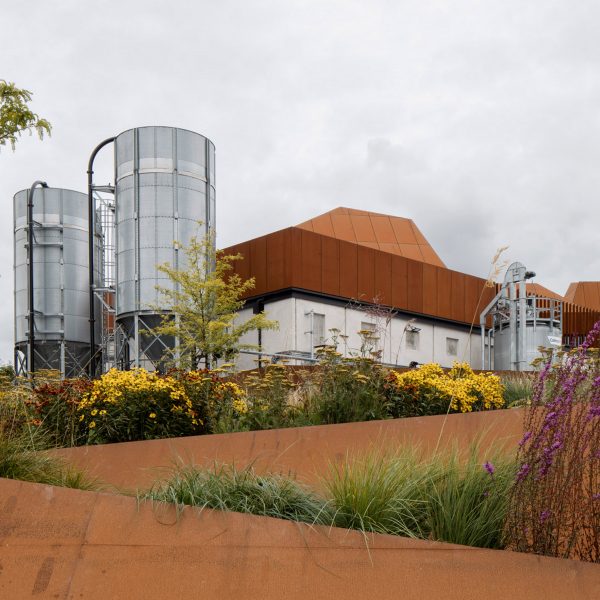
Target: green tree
[(16, 116), (204, 301)]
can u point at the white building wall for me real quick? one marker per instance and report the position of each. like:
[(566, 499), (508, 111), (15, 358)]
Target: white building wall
[(294, 334)]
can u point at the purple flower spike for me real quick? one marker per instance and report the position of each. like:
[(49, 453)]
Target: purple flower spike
[(489, 467), (544, 515)]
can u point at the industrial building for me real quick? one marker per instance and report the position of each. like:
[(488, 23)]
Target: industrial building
[(349, 271), (86, 276)]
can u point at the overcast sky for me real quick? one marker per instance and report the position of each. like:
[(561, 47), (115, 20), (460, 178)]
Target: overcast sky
[(480, 120)]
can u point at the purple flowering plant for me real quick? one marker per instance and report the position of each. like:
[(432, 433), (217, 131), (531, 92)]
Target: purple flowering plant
[(553, 507)]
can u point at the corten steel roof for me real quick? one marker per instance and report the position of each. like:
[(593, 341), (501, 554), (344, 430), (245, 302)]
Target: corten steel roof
[(395, 235), (584, 293), (301, 259), (535, 289)]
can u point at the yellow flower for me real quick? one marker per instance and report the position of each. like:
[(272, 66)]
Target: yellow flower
[(81, 418), (94, 412), (92, 425), (152, 415), (102, 413)]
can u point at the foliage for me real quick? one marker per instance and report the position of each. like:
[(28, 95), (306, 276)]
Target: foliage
[(344, 390), (223, 403), (518, 389), (205, 299), (56, 411), (21, 442), (226, 488), (429, 390), (16, 116), (137, 405), (555, 498), (447, 498), (273, 400)]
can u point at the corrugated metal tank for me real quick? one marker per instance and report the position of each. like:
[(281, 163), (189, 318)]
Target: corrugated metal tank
[(165, 186), (542, 323), (60, 261)]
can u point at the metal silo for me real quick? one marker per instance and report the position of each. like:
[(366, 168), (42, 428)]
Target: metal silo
[(521, 324), (60, 281), (164, 186)]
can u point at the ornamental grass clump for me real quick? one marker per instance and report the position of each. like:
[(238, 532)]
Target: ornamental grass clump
[(555, 498), (242, 490), (429, 390), (450, 498)]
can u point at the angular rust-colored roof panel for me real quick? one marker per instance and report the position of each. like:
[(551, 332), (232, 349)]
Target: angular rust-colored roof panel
[(535, 289), (395, 235), (584, 293)]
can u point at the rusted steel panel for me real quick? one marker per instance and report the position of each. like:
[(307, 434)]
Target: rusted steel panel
[(342, 226), (311, 273), (331, 266), (258, 264), (458, 296), (295, 257), (412, 251), (366, 273), (383, 278), (415, 286), (430, 289), (348, 270), (276, 261), (363, 229), (444, 294), (384, 232), (399, 282)]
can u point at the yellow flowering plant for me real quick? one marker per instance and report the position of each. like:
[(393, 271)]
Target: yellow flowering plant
[(429, 390), (137, 405), (222, 402)]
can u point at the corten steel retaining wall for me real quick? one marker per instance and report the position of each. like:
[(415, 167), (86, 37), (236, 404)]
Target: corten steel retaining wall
[(60, 543), (300, 259), (304, 452)]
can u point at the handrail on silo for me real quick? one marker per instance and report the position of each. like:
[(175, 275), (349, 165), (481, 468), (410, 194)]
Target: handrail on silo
[(91, 230)]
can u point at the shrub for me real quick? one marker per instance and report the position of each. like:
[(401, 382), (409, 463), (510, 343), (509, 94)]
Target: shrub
[(429, 390), (137, 405), (274, 399), (56, 411), (555, 498), (223, 404), (344, 390), (226, 488)]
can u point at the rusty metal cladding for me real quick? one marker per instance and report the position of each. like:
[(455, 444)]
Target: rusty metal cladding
[(458, 299), (276, 262), (584, 293), (383, 278), (331, 266), (399, 282), (415, 286), (311, 261), (430, 289), (348, 270), (444, 295), (366, 273)]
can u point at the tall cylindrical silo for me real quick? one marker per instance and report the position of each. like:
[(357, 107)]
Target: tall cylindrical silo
[(60, 278), (165, 187)]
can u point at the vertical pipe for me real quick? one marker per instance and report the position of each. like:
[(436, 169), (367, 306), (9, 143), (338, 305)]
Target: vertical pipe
[(522, 327), (31, 307), (91, 231)]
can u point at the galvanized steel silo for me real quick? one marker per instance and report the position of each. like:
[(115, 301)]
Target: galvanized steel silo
[(60, 277), (165, 186)]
